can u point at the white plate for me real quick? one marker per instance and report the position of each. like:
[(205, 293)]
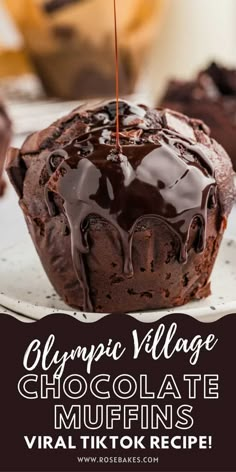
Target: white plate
[(6, 311), (25, 289)]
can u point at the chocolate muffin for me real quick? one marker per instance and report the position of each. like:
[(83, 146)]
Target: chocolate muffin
[(212, 98), (5, 136), (134, 229)]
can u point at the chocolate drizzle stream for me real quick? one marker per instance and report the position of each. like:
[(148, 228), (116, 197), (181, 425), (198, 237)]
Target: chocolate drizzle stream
[(160, 175), (118, 148)]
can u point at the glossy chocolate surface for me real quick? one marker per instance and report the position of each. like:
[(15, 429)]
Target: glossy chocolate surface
[(158, 173)]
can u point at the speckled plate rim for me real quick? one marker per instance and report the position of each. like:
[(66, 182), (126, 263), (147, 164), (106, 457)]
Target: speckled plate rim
[(208, 312), (17, 316), (203, 314)]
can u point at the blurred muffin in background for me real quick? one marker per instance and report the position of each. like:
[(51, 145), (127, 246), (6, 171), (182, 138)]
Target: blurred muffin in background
[(211, 97), (71, 45)]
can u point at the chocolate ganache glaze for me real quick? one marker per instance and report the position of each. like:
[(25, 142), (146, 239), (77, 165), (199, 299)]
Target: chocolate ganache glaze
[(161, 172), (148, 177)]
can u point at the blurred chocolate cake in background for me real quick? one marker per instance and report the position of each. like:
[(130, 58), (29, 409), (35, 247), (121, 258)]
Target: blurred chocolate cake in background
[(211, 97)]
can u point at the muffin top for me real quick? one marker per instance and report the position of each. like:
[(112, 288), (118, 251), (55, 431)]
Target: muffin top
[(167, 168)]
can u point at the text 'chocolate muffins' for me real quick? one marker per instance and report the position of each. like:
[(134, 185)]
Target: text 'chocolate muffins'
[(211, 97), (124, 231)]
